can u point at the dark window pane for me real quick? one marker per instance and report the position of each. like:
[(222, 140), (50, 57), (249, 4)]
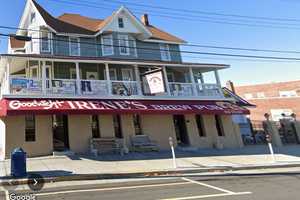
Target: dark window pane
[(117, 126), (95, 126), (137, 124), (200, 125), (29, 128), (219, 125)]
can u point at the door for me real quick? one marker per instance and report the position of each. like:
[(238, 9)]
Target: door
[(181, 130), (60, 133)]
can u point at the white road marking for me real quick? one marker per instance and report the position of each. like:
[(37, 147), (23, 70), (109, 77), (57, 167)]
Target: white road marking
[(110, 189), (208, 196), (209, 186)]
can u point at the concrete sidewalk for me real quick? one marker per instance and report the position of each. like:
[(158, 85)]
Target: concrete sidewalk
[(83, 166)]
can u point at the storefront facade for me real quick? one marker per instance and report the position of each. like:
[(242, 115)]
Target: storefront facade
[(70, 79)]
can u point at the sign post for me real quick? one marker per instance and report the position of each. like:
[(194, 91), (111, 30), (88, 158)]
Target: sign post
[(173, 152), (269, 139)]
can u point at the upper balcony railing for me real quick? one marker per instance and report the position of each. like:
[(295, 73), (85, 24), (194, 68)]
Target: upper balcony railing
[(103, 88)]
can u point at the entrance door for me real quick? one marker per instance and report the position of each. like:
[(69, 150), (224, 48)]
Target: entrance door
[(60, 133), (181, 130)]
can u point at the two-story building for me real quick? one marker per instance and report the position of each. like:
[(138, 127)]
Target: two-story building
[(78, 78)]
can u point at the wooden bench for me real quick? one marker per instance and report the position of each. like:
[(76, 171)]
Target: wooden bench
[(107, 145), (143, 143)]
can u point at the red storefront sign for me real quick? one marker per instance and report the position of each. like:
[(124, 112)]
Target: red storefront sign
[(57, 106)]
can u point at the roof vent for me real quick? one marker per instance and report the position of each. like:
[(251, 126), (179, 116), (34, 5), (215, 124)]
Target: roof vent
[(145, 19)]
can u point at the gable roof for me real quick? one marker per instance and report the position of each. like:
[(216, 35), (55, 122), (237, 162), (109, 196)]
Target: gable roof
[(78, 24), (16, 44)]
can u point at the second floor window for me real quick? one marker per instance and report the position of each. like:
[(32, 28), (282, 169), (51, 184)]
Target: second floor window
[(291, 93), (45, 44), (95, 126), (121, 22), (74, 46), (165, 52), (124, 44), (107, 45)]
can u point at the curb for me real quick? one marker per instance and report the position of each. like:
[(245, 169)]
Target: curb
[(78, 177)]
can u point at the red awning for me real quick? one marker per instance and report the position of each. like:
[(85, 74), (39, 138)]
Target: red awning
[(59, 106)]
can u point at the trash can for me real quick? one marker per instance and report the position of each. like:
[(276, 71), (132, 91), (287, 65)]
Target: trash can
[(18, 163)]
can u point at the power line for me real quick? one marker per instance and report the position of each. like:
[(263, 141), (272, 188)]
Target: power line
[(204, 12), (188, 45), (187, 14), (190, 52), (184, 18)]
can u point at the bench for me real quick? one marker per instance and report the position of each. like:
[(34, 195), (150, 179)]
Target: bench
[(107, 145), (141, 143)]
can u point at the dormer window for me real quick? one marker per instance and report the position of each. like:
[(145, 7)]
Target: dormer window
[(32, 17), (121, 22)]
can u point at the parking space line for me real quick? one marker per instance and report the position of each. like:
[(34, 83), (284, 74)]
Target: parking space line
[(110, 189), (208, 196), (209, 186)]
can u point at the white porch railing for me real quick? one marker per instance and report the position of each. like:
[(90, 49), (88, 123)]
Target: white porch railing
[(95, 88), (209, 90), (61, 87), (19, 85), (124, 88), (181, 89)]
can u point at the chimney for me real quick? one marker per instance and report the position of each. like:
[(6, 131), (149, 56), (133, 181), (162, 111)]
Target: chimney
[(145, 19), (230, 86)]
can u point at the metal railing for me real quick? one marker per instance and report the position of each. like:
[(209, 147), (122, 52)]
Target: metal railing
[(124, 88), (61, 87), (94, 87), (181, 89)]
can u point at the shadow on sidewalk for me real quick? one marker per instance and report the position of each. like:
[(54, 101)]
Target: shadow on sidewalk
[(45, 174)]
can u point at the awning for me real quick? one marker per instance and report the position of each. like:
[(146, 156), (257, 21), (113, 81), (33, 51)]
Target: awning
[(67, 106)]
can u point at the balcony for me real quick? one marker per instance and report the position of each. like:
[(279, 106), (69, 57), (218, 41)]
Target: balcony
[(47, 79)]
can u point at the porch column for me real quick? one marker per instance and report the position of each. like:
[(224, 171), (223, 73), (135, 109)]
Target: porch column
[(217, 78), (78, 79), (138, 79), (194, 86), (8, 75), (109, 86), (166, 80), (44, 77)]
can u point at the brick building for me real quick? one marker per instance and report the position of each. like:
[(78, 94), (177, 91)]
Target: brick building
[(273, 98)]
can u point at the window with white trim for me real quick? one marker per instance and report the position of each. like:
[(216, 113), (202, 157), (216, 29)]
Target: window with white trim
[(123, 44), (291, 93), (107, 45), (165, 52), (74, 44), (45, 41), (32, 17), (121, 22)]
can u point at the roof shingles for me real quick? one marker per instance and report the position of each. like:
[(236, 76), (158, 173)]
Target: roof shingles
[(78, 24)]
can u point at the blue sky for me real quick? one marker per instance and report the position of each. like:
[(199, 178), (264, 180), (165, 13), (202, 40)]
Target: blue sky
[(242, 71)]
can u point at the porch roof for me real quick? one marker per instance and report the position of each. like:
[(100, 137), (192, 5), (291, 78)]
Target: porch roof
[(114, 60)]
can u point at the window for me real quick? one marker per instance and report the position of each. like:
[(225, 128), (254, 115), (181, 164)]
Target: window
[(45, 41), (121, 22), (29, 128), (107, 45), (127, 74), (165, 52), (95, 126), (117, 126), (219, 125), (74, 44), (291, 93), (32, 17), (34, 72), (200, 125), (260, 95), (123, 44), (248, 96), (137, 124)]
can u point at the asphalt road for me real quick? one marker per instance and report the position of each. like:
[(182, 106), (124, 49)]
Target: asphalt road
[(249, 187)]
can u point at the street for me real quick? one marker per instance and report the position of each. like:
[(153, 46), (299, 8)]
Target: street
[(246, 187)]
